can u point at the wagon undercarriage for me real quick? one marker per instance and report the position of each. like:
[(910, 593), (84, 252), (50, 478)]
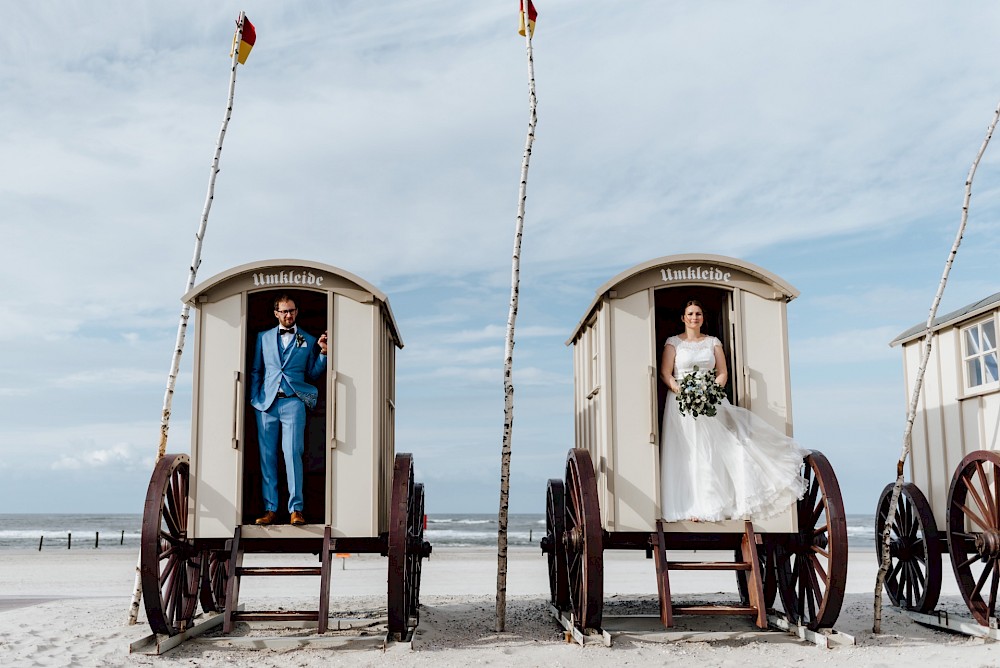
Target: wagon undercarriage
[(806, 571), (971, 538), (178, 571)]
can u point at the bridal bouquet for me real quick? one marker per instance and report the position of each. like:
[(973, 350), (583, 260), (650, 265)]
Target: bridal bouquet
[(700, 394)]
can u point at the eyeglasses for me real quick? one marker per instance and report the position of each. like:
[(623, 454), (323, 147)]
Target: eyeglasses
[(287, 311)]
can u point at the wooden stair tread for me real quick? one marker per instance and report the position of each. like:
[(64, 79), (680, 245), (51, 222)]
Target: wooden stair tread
[(276, 615), (708, 566), (715, 610), (279, 570)]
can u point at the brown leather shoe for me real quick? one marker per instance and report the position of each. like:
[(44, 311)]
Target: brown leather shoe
[(267, 518), (297, 518)]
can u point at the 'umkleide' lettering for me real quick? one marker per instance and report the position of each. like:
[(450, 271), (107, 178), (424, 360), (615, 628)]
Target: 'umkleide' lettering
[(696, 274), (289, 277)]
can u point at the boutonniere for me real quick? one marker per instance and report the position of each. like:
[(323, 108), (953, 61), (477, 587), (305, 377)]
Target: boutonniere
[(300, 341)]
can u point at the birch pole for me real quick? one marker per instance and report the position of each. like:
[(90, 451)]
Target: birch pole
[(508, 385), (919, 382), (199, 237)]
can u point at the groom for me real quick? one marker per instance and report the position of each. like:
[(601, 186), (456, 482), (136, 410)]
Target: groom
[(285, 359)]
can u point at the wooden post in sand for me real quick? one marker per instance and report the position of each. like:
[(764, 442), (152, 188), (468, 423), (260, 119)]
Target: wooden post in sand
[(919, 381), (192, 275), (508, 385)]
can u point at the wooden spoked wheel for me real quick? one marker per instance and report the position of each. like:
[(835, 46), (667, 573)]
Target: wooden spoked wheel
[(214, 576), (913, 580), (811, 566), (400, 590), (766, 554), (416, 550), (168, 563), (583, 542), (974, 532), (552, 543)]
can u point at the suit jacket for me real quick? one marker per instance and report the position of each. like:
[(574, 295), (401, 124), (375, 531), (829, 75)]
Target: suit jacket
[(297, 364)]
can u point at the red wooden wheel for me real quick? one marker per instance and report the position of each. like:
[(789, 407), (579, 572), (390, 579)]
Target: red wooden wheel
[(168, 563), (416, 551), (583, 541), (214, 576), (552, 544), (974, 531), (400, 590), (913, 580), (765, 552), (811, 566)]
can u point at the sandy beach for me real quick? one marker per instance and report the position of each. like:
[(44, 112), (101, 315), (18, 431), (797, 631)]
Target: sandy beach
[(69, 608)]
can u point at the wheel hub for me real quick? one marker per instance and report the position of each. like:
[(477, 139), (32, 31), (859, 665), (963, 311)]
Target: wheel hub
[(900, 549), (988, 544), (573, 540)]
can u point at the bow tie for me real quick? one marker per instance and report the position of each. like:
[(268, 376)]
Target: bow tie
[(286, 331)]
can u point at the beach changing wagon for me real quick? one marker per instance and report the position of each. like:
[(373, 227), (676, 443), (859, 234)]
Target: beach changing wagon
[(360, 495), (609, 498), (953, 502)]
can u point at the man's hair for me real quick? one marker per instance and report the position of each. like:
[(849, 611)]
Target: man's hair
[(283, 298)]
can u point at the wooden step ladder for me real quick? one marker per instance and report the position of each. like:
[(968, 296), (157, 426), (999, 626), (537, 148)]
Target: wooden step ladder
[(237, 571), (750, 564)]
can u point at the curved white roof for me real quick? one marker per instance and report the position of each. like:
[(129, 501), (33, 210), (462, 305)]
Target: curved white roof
[(262, 265), (780, 286)]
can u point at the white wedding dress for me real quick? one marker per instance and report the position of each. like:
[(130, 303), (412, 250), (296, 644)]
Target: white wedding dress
[(731, 465)]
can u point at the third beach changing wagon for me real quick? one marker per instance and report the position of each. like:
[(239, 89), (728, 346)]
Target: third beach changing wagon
[(609, 499), (360, 495), (953, 502)]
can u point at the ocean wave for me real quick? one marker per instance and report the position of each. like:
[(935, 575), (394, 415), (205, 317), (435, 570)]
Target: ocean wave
[(26, 534)]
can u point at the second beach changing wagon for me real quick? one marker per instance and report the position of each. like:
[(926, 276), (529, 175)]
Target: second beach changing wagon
[(609, 498)]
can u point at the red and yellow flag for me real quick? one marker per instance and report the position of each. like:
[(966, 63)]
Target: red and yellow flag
[(532, 15), (249, 37)]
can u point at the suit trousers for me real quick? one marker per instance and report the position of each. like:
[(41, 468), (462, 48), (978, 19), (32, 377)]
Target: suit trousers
[(285, 420)]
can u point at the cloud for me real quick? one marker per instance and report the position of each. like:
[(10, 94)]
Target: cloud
[(121, 455), (111, 378), (498, 333), (850, 346)]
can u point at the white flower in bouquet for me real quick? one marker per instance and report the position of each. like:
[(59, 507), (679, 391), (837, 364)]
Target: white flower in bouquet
[(699, 393)]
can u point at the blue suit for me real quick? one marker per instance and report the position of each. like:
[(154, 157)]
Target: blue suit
[(287, 370)]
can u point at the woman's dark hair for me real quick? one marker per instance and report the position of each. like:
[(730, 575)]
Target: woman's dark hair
[(694, 302)]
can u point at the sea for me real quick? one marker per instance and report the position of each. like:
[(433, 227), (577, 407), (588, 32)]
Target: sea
[(122, 531)]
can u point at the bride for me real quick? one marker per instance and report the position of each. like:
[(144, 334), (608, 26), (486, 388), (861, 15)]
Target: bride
[(731, 465)]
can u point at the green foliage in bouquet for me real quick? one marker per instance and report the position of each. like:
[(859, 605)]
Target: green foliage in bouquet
[(700, 394)]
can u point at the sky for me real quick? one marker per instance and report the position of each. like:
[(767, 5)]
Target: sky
[(828, 142)]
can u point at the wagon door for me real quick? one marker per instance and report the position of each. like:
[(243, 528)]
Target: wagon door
[(217, 436), (353, 469), (763, 360), (764, 386), (633, 480)]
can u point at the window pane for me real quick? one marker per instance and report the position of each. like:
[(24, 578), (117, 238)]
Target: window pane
[(974, 373), (989, 336), (971, 341), (990, 360)]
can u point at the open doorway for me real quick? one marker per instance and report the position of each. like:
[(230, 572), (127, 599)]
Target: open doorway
[(716, 304), (313, 317)]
